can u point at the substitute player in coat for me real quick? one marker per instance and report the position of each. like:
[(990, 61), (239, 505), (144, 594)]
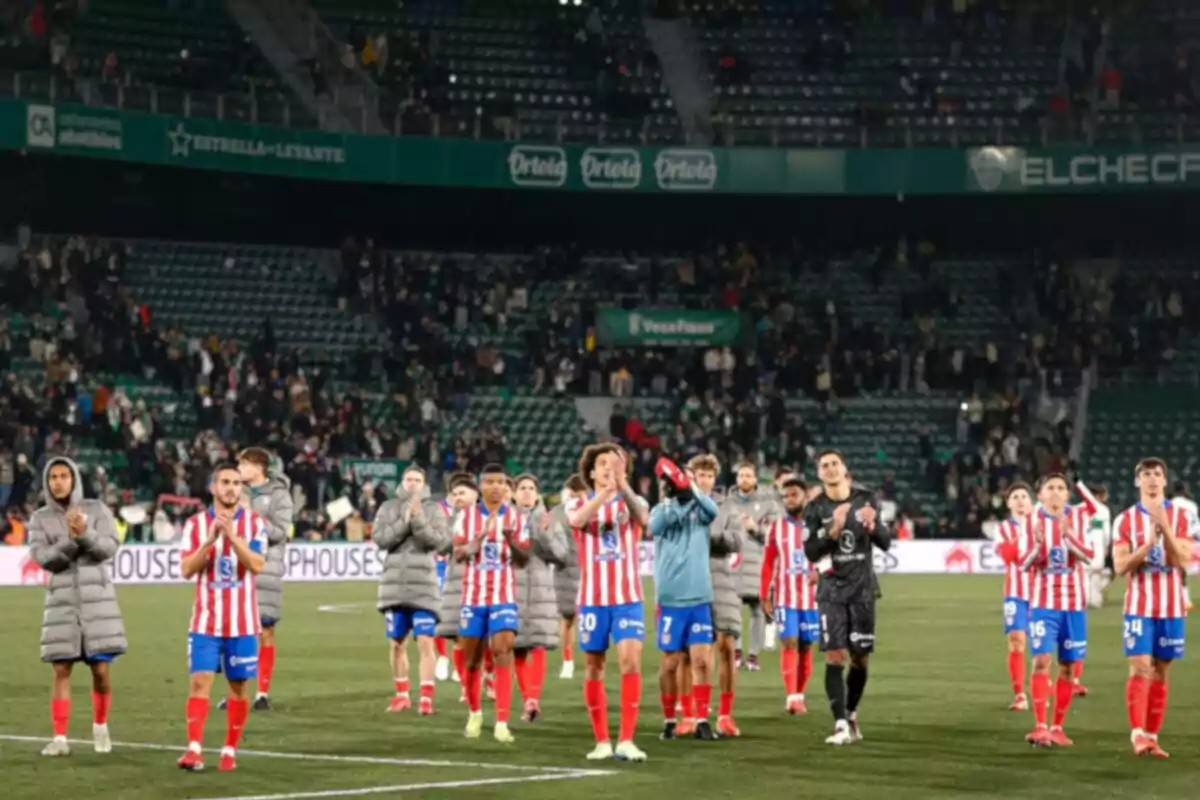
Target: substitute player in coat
[(223, 550), (72, 538), (754, 509)]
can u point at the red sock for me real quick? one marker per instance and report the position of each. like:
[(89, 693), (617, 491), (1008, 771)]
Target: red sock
[(504, 682), (100, 705), (236, 714), (1039, 689), (266, 668), (686, 702), (537, 672), (1063, 691), (703, 694), (488, 665), (440, 644), (1016, 672), (1077, 670), (1156, 708), (804, 671), (668, 706), (631, 698), (1137, 699), (474, 684), (725, 707), (788, 664), (197, 714), (427, 690), (597, 705), (460, 663), (402, 686), (568, 655), (521, 668), (60, 716)]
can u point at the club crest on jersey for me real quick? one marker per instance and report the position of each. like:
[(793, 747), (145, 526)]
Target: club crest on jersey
[(491, 554), (226, 569), (1057, 559), (1156, 558), (608, 539), (799, 564)]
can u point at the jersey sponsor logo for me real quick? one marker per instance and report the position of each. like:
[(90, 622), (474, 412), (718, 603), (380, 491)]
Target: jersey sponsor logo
[(1164, 641), (610, 546), (1056, 560), (799, 565), (847, 541), (1156, 559), (861, 637), (1071, 644), (237, 661)]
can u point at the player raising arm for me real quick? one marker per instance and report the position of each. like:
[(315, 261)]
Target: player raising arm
[(223, 550), (1058, 622), (492, 538), (606, 524), (1152, 550), (72, 538), (787, 571), (1014, 540), (844, 526)]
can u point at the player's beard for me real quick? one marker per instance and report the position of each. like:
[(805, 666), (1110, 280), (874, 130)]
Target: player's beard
[(794, 513), (224, 507)]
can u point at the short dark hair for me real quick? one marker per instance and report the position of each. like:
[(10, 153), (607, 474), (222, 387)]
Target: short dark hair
[(256, 456), (1180, 489), (796, 481), (1053, 476), (1150, 463), (576, 483), (780, 471), (457, 479), (831, 451), (1099, 490), (746, 463), (414, 467), (587, 461), (529, 476), (222, 466), (493, 468), (1019, 486)]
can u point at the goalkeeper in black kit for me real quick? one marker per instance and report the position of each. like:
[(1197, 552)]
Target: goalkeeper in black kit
[(842, 524)]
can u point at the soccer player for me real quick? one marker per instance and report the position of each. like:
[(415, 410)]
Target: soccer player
[(491, 539), (72, 538), (1181, 498), (463, 495), (606, 522), (269, 494), (538, 631), (787, 571), (1153, 550), (1016, 539), (1099, 537), (843, 523), (410, 529), (725, 543), (680, 527), (566, 580), (1058, 601), (754, 511), (223, 549)]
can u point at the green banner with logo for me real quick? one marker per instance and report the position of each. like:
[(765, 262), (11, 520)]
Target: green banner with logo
[(165, 139), (387, 471), (667, 327)]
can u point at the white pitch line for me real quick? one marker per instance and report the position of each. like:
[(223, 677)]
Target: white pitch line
[(396, 762), (342, 608), (415, 787)]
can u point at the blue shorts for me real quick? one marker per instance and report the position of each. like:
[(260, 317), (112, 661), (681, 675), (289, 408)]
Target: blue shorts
[(441, 576), (1148, 636), (1016, 615), (1061, 631), (400, 622), (267, 622), (236, 656), (599, 624), (483, 622), (101, 658), (680, 627), (795, 623)]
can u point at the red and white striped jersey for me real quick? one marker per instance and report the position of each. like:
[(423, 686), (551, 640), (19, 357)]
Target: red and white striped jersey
[(226, 598), (1155, 589), (487, 578), (1016, 577), (1057, 579), (786, 567), (608, 555)]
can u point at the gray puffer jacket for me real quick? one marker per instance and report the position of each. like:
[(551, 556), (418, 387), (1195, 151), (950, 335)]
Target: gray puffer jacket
[(451, 604), (273, 502), (763, 508), (566, 577), (411, 542), (536, 600), (82, 617), (725, 539)]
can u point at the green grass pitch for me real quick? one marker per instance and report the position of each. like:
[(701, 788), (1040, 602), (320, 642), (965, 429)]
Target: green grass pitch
[(934, 718)]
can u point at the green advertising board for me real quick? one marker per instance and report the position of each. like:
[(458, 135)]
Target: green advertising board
[(386, 471), (667, 327), (164, 139)]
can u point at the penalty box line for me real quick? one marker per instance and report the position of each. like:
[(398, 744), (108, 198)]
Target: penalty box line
[(529, 774)]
